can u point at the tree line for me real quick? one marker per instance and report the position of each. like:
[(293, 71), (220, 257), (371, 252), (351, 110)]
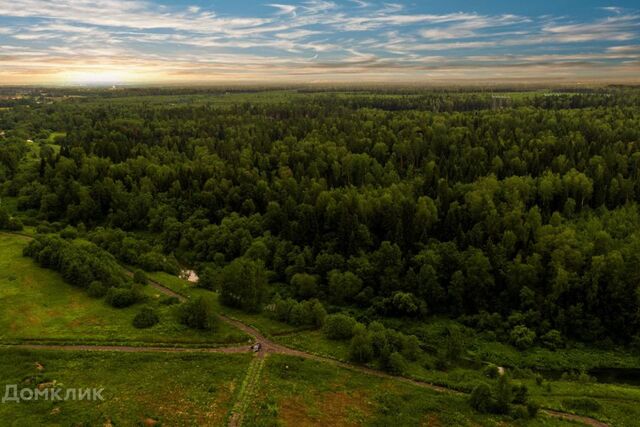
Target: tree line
[(520, 220)]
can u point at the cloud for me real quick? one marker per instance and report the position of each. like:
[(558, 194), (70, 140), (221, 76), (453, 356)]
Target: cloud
[(470, 25), (307, 38), (284, 9), (361, 3), (618, 28)]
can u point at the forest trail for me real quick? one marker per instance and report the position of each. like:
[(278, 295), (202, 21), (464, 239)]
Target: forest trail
[(268, 346)]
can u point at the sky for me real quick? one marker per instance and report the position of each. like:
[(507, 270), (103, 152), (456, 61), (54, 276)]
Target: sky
[(82, 42)]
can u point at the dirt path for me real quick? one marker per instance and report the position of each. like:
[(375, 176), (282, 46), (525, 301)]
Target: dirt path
[(268, 346), (576, 418)]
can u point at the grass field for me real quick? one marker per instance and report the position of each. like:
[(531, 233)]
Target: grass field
[(39, 305), (175, 390), (619, 404), (296, 392)]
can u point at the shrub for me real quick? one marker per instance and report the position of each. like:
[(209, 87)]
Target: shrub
[(305, 285), (522, 337), (339, 326), (519, 413), (491, 371), (532, 408), (8, 222), (539, 380), (44, 229), (14, 224), (140, 277), (318, 313), (208, 278), (96, 289), (4, 217), (410, 347), (343, 287), (145, 318), (69, 233), (397, 364), (361, 348), (310, 313), (122, 297), (454, 344), (197, 314), (481, 399), (282, 308), (520, 394), (503, 394), (167, 300), (552, 339)]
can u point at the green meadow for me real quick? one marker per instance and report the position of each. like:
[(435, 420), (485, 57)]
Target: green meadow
[(37, 305), (139, 388)]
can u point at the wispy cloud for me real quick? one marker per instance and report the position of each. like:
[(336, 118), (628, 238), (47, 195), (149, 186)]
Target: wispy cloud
[(307, 38), (284, 9)]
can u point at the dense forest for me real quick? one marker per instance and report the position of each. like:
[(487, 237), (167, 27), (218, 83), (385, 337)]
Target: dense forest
[(516, 214)]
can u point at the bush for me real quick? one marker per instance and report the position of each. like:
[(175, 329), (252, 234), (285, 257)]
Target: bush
[(44, 229), (410, 347), (361, 348), (397, 364), (145, 318), (305, 285), (519, 413), (167, 300), (481, 399), (539, 380), (140, 277), (339, 326), (14, 224), (318, 313), (69, 233), (197, 314), (454, 347), (532, 409), (520, 394), (503, 394), (96, 289), (552, 340), (309, 313), (491, 371), (4, 217), (122, 297), (7, 222), (522, 337), (208, 278)]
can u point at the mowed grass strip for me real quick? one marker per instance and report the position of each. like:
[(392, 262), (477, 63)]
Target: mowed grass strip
[(38, 305), (171, 389)]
